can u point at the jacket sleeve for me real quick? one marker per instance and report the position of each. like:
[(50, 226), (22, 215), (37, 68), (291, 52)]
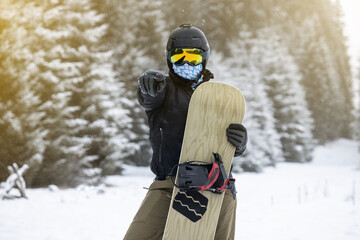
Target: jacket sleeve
[(150, 103)]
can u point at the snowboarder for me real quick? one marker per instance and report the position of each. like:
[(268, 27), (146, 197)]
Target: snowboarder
[(166, 100)]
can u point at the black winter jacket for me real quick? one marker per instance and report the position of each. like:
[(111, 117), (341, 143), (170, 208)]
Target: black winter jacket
[(167, 114)]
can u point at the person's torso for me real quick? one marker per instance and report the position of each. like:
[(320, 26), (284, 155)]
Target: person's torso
[(167, 126)]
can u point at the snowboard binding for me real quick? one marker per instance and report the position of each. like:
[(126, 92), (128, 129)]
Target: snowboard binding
[(203, 176)]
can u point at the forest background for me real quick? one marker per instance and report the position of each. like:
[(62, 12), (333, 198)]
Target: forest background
[(69, 70)]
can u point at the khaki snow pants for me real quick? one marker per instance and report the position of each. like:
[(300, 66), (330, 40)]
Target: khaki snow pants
[(149, 222)]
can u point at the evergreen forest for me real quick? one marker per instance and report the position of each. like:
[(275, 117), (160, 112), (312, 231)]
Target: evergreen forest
[(69, 71)]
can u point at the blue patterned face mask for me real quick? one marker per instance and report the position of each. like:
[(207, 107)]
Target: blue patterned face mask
[(187, 71)]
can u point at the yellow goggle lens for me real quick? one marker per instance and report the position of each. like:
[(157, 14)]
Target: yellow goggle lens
[(193, 56)]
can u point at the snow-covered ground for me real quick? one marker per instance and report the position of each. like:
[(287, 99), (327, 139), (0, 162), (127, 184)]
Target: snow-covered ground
[(313, 201)]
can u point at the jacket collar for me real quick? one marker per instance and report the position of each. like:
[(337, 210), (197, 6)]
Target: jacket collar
[(179, 80)]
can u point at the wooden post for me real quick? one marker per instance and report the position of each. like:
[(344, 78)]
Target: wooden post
[(15, 180)]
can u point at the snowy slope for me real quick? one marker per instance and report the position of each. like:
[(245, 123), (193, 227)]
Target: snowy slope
[(290, 202)]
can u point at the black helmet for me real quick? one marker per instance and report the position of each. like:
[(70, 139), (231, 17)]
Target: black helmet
[(187, 36)]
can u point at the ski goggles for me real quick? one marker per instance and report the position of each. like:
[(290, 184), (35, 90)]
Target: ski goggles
[(193, 56)]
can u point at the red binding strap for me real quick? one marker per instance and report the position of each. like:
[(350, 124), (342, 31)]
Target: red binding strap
[(223, 187), (211, 178)]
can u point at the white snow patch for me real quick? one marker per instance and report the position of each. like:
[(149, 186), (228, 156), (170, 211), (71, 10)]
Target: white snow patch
[(313, 201), (340, 152)]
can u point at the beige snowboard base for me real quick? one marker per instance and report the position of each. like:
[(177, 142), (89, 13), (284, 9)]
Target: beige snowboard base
[(212, 108)]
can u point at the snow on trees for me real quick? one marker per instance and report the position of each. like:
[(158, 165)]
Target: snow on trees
[(69, 70)]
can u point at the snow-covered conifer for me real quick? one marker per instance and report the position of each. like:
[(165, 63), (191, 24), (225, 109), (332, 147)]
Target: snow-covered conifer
[(282, 78), (21, 136), (76, 86), (241, 71)]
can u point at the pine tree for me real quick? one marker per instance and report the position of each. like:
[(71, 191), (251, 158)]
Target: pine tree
[(316, 40), (341, 64), (180, 12), (21, 136), (139, 45), (264, 147), (222, 20), (282, 78), (75, 85), (318, 80), (357, 103)]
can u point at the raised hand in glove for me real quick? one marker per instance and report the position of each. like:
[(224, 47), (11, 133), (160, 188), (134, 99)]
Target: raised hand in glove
[(151, 82), (237, 136)]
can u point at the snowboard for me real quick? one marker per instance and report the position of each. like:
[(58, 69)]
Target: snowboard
[(213, 106)]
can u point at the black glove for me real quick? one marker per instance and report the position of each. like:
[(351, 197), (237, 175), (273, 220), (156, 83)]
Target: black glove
[(237, 136), (151, 82)]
